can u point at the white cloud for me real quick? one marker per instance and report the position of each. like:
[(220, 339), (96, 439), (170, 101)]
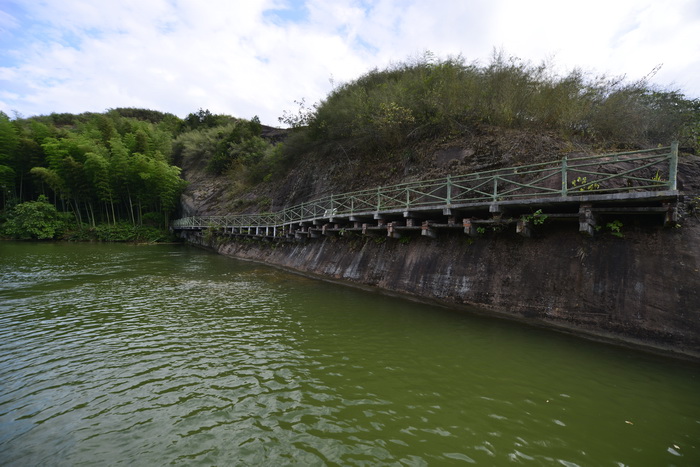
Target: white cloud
[(230, 57)]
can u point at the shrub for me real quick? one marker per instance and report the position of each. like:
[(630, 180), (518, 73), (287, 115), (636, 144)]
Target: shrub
[(429, 97), (38, 220), (120, 232), (224, 145)]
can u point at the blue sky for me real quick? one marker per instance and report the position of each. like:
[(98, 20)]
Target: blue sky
[(256, 57)]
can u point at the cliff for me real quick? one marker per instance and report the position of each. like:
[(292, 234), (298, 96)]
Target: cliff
[(640, 289)]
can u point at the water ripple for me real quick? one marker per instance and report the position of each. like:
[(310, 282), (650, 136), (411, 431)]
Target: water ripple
[(116, 355)]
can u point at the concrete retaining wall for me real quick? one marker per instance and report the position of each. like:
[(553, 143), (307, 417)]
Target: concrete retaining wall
[(643, 289)]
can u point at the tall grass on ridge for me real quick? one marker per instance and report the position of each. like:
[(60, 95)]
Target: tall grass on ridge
[(430, 97)]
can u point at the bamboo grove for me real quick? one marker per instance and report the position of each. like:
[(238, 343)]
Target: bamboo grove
[(102, 168)]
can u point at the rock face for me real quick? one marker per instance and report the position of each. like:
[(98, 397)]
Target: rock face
[(642, 289)]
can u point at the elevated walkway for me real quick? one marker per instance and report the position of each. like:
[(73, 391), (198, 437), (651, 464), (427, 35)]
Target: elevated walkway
[(580, 189)]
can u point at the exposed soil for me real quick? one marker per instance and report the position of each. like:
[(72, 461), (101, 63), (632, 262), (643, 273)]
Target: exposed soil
[(339, 170)]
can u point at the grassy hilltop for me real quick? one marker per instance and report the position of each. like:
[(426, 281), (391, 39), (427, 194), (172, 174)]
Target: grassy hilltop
[(428, 117)]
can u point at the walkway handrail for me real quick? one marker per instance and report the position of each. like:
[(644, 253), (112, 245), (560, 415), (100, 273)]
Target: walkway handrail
[(644, 170)]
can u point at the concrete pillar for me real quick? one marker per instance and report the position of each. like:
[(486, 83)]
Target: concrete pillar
[(469, 228), (671, 216), (427, 231), (586, 219), (524, 228), (391, 230)]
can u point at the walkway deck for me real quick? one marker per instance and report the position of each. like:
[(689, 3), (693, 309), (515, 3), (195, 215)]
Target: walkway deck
[(583, 189)]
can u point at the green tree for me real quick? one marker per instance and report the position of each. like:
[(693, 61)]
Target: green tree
[(50, 177), (34, 220), (121, 174), (106, 167), (204, 119), (9, 139), (97, 171), (168, 186), (9, 143), (7, 181)]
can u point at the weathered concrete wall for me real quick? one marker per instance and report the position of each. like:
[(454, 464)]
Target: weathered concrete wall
[(643, 289)]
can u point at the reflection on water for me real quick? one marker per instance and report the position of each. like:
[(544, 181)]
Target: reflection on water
[(115, 354)]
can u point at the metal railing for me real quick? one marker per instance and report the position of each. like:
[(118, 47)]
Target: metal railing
[(646, 170)]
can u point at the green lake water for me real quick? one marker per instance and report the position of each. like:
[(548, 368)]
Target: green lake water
[(169, 355)]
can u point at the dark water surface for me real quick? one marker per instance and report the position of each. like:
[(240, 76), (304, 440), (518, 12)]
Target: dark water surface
[(159, 355)]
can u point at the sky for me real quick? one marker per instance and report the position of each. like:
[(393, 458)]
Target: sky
[(249, 58)]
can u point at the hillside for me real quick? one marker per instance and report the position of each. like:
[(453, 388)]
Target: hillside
[(429, 118), (316, 175), (412, 121)]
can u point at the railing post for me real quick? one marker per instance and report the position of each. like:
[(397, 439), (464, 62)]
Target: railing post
[(495, 188), (564, 177), (449, 190), (379, 198), (673, 166)]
